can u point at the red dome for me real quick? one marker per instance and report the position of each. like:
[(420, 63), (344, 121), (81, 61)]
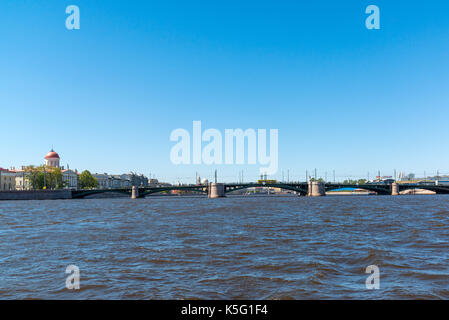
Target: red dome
[(52, 155)]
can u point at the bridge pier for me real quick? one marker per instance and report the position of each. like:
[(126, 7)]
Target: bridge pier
[(134, 192), (216, 190), (316, 189), (395, 189)]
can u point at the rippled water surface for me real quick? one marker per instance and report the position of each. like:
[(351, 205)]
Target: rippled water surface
[(231, 248)]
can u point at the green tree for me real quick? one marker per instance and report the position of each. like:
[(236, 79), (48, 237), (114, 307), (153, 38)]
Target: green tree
[(87, 181), (44, 177)]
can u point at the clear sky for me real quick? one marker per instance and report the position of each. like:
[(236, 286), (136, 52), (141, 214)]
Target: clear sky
[(344, 98)]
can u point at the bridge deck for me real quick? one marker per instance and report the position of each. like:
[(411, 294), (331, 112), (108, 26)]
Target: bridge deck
[(301, 188)]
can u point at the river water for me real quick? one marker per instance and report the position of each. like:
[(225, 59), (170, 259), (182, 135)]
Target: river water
[(256, 247)]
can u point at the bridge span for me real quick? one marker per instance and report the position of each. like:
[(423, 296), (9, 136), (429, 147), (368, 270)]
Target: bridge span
[(217, 190)]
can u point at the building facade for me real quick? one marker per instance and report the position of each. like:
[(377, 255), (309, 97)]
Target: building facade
[(22, 181), (19, 180), (70, 179), (52, 159), (120, 181), (7, 180), (104, 180)]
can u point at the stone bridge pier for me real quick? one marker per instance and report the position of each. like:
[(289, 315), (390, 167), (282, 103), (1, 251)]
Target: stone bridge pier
[(216, 190), (394, 189), (134, 192), (316, 189)]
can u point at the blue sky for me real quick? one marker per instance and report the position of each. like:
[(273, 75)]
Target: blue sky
[(344, 98)]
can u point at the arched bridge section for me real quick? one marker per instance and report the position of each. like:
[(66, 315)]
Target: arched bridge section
[(383, 189), (438, 189), (297, 187), (80, 194), (147, 191), (386, 189)]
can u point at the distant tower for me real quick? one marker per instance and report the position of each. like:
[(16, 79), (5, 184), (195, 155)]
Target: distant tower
[(52, 159)]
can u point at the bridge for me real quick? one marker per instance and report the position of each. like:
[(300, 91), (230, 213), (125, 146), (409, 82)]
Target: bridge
[(140, 192), (217, 190)]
